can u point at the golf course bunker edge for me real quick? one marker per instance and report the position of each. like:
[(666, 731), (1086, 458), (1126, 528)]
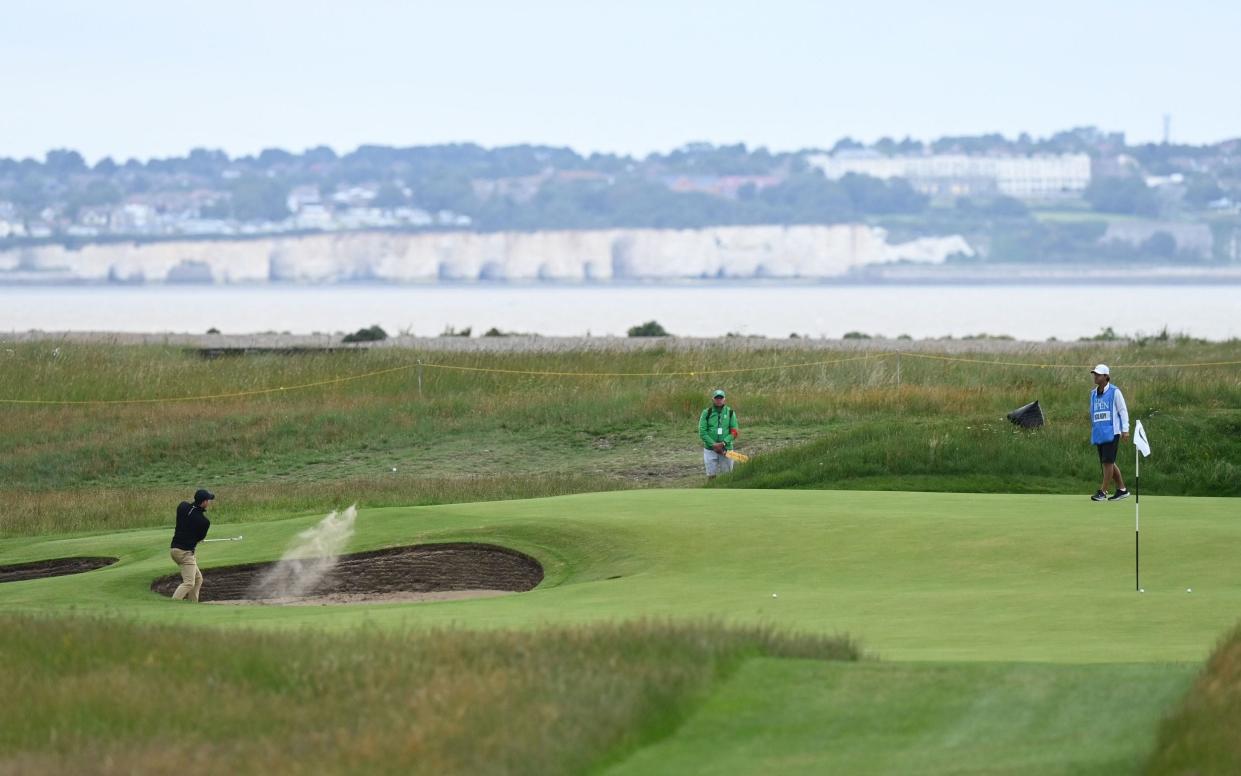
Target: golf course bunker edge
[(424, 572), (53, 567)]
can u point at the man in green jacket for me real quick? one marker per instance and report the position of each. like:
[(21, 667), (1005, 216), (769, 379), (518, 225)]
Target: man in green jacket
[(717, 428)]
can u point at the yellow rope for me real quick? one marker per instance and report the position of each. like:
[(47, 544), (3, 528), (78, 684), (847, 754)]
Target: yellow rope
[(538, 373), (986, 362), (695, 373), (376, 373), (212, 396)]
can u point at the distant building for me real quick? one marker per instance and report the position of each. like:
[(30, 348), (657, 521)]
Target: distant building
[(133, 218), (413, 216), (1026, 177), (311, 215), (728, 186), (578, 176), (1160, 181), (12, 228), (303, 197), (355, 196), (520, 189), (97, 218)]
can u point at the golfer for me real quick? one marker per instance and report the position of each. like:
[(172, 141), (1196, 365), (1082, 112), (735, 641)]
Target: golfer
[(1109, 423), (717, 427), (192, 527)]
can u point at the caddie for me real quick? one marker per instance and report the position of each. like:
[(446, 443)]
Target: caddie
[(717, 428), (1109, 423)]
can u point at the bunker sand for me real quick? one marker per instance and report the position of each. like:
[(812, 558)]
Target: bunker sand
[(430, 572), (55, 567)]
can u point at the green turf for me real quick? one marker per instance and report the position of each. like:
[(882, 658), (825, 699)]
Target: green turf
[(811, 717), (1030, 596), (913, 576), (869, 421)]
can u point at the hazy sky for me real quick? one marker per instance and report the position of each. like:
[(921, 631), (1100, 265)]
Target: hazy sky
[(143, 78)]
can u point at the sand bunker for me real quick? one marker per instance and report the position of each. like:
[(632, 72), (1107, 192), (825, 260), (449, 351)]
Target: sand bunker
[(428, 572), (56, 567)]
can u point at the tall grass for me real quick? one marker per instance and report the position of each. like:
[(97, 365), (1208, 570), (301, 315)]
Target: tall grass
[(102, 696), (472, 434), (1196, 454), (1203, 734)]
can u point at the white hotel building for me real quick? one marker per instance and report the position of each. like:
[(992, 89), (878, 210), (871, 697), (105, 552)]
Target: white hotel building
[(1025, 177)]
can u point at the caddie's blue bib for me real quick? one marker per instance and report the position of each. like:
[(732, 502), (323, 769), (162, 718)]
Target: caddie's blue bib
[(1102, 408)]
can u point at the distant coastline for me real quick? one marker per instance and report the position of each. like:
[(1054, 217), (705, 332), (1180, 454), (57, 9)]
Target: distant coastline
[(232, 343), (895, 275), (574, 256)]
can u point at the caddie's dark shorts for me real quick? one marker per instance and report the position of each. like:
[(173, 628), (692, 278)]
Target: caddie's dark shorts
[(1107, 450)]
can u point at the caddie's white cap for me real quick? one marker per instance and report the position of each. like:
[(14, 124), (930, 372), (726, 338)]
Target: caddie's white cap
[(1101, 369)]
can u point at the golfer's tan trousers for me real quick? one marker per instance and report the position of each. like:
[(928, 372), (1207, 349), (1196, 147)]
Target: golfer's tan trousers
[(191, 577)]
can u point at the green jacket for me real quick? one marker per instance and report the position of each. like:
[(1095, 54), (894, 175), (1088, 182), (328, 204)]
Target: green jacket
[(714, 426)]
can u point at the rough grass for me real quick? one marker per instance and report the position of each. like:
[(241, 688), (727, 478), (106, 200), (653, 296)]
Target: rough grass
[(1201, 735), (916, 422), (32, 512), (102, 696), (1196, 454)]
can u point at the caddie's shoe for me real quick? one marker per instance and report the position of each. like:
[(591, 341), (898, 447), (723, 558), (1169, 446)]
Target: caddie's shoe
[(1100, 495), (1118, 495)]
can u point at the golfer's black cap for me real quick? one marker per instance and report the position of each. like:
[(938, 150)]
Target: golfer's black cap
[(202, 494)]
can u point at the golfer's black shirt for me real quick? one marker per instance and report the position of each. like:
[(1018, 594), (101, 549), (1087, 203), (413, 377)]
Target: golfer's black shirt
[(192, 526)]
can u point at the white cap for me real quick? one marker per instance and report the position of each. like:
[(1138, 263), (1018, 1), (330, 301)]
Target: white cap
[(1101, 369)]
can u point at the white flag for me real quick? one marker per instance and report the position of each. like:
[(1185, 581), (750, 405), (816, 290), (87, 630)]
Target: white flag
[(1140, 441)]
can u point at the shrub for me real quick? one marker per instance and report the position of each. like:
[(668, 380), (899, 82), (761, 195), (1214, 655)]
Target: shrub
[(1106, 334), (369, 334), (648, 329)]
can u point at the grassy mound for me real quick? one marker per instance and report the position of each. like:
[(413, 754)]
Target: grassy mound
[(458, 434), (1197, 454), (101, 696), (1201, 735)]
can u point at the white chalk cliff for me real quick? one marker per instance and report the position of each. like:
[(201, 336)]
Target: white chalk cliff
[(595, 255)]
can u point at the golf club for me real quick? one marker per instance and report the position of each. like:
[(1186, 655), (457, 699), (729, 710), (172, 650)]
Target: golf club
[(228, 539)]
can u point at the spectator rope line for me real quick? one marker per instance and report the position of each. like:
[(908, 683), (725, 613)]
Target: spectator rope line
[(986, 362), (428, 365), (537, 373)]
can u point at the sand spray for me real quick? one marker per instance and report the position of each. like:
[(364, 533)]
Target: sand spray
[(310, 557)]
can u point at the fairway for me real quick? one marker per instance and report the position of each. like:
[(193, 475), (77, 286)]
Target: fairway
[(811, 717), (911, 576)]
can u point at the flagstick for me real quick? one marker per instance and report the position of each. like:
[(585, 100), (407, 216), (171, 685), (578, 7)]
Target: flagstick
[(1137, 519)]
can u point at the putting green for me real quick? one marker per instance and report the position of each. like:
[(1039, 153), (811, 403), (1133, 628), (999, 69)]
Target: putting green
[(912, 576)]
